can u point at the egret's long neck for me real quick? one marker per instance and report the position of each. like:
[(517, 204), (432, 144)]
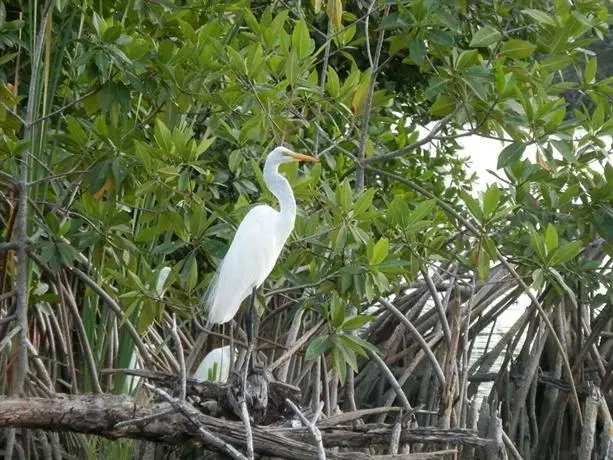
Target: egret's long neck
[(279, 186)]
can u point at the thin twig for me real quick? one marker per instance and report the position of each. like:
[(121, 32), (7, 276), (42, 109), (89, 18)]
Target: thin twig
[(143, 420), (321, 452), (428, 138), (247, 424), (322, 84), (177, 339), (294, 348), (7, 295), (367, 35), (439, 306), (6, 176), (12, 112), (368, 106)]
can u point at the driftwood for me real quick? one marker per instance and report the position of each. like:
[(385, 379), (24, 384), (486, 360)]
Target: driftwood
[(101, 414)]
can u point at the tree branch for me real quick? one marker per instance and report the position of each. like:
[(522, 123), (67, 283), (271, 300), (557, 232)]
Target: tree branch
[(104, 415), (428, 138), (368, 105)]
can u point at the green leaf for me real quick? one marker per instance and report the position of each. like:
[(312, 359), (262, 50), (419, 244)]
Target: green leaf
[(204, 145), (393, 266), (421, 211), (417, 51), (551, 238), (189, 273), (340, 366), (519, 49), (483, 265), (393, 21), (343, 195), (236, 60), (347, 353), (363, 202), (443, 105), (335, 13), (76, 131), (560, 282), (301, 41), (162, 136), (537, 279), (317, 347), (485, 36), (589, 74), (362, 343), (356, 322), (489, 246), (147, 234), (332, 83), (565, 253), (540, 16), (7, 57), (490, 200), (471, 204), (466, 59), (337, 310), (398, 211), (369, 289), (538, 244), (251, 20), (340, 240), (353, 346), (510, 154), (53, 223), (379, 252)]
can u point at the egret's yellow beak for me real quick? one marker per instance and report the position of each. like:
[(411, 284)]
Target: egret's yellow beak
[(302, 157)]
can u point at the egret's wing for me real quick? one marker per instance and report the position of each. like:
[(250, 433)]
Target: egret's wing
[(250, 259)]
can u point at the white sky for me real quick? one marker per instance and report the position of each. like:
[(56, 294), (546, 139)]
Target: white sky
[(483, 153)]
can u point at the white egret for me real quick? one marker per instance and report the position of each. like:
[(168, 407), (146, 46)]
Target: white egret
[(256, 246), (218, 360)]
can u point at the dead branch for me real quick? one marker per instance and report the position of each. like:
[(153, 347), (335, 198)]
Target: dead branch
[(101, 414)]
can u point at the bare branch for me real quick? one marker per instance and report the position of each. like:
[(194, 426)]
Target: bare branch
[(428, 138), (415, 333), (9, 246), (368, 104), (294, 348), (392, 380), (321, 452), (181, 357), (6, 176)]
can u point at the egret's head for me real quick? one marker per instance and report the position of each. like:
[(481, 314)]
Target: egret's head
[(284, 155)]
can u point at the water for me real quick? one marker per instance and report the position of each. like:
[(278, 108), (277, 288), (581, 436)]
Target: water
[(503, 324)]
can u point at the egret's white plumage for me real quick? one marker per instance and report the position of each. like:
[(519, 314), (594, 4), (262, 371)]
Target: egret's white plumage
[(257, 243), (218, 358)]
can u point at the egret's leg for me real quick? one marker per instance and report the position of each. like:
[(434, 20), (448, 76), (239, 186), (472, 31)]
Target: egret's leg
[(249, 324), (250, 330)]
